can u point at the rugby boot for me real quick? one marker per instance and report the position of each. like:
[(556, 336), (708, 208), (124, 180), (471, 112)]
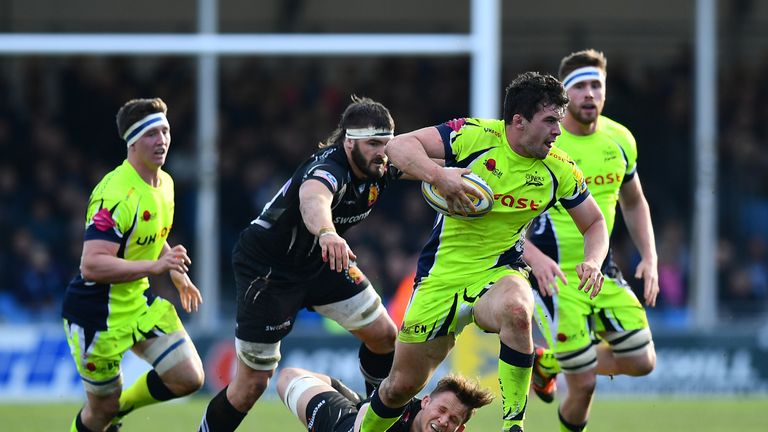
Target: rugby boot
[(543, 384)]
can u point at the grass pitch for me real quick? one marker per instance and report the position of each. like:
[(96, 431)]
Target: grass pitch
[(658, 415)]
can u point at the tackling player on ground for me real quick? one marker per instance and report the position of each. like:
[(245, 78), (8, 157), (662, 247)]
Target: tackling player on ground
[(109, 307), (607, 154), (324, 404)]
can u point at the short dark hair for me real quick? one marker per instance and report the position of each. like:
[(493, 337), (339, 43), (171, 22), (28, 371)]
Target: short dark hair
[(580, 59), (135, 110), (529, 92), (362, 112), (469, 392)]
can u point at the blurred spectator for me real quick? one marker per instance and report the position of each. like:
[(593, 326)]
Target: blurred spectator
[(673, 263), (40, 282)]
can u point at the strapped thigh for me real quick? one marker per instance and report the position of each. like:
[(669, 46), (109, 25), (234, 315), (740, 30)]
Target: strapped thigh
[(166, 351), (579, 361), (356, 312), (629, 343), (258, 356), (297, 387)]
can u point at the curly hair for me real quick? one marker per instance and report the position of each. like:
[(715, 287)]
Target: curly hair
[(529, 92)]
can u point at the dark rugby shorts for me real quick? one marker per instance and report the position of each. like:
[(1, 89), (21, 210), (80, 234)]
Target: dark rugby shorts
[(269, 299), (330, 412)]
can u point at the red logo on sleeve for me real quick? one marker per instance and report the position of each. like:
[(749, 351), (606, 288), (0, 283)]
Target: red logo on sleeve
[(456, 124), (103, 220)]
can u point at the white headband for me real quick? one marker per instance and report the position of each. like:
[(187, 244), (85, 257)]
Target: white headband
[(369, 132), (137, 129), (587, 73)]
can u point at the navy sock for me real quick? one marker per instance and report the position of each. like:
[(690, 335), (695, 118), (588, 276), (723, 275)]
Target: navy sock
[(221, 416), (374, 367)]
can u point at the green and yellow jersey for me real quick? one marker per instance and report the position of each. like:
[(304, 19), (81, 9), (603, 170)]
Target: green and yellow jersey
[(608, 158), (123, 209), (523, 188)]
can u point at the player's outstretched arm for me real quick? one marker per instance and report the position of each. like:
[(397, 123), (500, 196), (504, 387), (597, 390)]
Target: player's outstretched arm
[(315, 205), (591, 223), (637, 217)]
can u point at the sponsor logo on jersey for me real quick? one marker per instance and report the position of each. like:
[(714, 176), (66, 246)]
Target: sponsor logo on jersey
[(355, 275), (278, 327), (518, 203), (311, 422), (604, 179), (578, 175), (490, 165), (102, 366), (609, 155), (149, 239), (492, 132), (351, 219), (560, 157), (373, 194), (534, 179), (328, 177), (414, 328)]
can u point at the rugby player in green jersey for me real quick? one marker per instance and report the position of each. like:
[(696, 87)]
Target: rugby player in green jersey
[(607, 155), (109, 307), (472, 270)]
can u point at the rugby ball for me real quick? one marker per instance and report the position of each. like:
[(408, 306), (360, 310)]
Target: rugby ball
[(483, 200)]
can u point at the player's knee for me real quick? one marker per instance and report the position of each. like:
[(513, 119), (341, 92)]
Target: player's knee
[(379, 336), (256, 386), (643, 365), (397, 392), (645, 368), (386, 334), (191, 382), (284, 377), (516, 312), (104, 408)]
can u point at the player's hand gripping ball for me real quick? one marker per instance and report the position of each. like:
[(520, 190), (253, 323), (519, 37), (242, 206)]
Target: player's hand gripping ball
[(482, 200)]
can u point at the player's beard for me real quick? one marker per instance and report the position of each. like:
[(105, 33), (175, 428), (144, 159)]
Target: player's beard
[(584, 119), (366, 166)]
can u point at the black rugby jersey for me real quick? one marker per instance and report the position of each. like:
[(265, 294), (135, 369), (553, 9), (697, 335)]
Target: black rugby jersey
[(405, 421), (279, 238), (403, 424)]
